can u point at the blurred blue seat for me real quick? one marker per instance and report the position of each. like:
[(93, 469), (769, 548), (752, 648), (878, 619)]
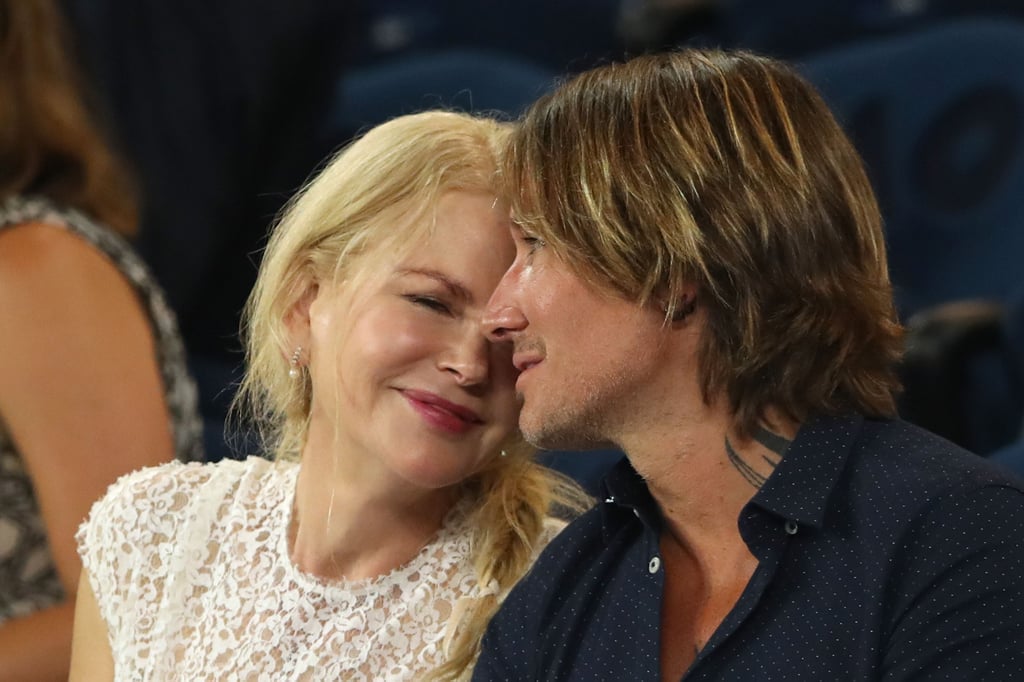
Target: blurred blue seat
[(1011, 457), (792, 28), (938, 115), (568, 34), (464, 80), (796, 28)]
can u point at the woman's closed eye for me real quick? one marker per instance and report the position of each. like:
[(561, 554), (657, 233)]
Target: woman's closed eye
[(429, 302)]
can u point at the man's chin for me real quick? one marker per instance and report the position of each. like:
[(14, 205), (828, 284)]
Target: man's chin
[(561, 437)]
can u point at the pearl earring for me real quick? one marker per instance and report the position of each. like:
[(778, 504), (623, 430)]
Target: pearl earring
[(293, 371)]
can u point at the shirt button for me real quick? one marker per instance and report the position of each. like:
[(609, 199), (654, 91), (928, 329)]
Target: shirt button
[(791, 527), (654, 565)]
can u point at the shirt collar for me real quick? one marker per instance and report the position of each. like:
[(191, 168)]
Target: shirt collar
[(798, 490), (800, 487), (626, 490)]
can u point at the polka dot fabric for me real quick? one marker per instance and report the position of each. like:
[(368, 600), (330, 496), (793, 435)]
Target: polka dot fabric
[(885, 553)]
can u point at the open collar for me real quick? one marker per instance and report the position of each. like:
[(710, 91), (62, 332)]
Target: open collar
[(798, 490)]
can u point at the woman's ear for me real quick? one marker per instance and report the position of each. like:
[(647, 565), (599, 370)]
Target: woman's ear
[(296, 318)]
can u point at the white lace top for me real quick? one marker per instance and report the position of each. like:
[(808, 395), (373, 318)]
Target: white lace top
[(192, 574)]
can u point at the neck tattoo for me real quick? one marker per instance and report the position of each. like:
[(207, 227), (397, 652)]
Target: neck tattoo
[(775, 443)]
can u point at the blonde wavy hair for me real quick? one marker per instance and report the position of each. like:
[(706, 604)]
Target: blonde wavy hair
[(378, 194), (727, 171)]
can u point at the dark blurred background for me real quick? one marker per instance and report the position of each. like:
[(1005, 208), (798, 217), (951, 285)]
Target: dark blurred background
[(225, 107)]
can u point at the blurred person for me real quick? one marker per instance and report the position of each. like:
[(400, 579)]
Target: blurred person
[(401, 503), (701, 280), (93, 380)]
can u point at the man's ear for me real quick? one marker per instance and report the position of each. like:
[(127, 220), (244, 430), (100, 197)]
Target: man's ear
[(681, 306), (296, 318)]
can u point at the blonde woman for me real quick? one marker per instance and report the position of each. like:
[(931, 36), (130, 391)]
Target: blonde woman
[(401, 504)]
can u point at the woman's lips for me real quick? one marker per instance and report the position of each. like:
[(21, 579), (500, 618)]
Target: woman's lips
[(443, 414)]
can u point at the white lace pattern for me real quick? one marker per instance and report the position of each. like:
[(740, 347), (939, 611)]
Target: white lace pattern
[(191, 571)]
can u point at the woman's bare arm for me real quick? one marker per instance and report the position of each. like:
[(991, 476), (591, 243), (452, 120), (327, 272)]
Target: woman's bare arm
[(80, 394), (91, 658)]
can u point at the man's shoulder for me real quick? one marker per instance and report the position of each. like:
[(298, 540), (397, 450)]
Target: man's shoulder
[(555, 576), (900, 479), (908, 459), (594, 577), (576, 543)]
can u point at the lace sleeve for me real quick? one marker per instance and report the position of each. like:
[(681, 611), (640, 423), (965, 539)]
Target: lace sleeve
[(125, 540)]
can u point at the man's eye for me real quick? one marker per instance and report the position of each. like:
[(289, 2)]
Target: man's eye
[(532, 243)]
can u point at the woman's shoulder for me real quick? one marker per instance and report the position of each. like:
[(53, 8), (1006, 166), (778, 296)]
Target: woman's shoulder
[(174, 478), (183, 490), (58, 259), (39, 247), (20, 210), (176, 503), (46, 231)]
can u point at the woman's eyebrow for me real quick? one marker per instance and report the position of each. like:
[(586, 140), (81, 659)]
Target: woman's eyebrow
[(455, 287)]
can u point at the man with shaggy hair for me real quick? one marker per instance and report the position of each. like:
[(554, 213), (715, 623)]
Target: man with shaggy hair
[(701, 281)]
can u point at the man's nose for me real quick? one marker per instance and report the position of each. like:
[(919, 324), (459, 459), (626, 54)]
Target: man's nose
[(503, 318)]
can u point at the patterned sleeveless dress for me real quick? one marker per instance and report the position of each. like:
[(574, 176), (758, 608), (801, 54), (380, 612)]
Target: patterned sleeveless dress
[(28, 578)]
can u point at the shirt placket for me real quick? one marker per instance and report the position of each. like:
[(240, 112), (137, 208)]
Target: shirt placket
[(768, 538)]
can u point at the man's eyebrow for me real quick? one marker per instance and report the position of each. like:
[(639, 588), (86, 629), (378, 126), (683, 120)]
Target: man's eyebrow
[(455, 287)]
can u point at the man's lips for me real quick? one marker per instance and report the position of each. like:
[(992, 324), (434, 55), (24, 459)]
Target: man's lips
[(440, 412), (524, 361)]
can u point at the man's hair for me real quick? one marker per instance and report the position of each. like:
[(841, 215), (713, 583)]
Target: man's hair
[(727, 171)]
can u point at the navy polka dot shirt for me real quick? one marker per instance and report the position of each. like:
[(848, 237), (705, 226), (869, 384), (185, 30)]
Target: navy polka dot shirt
[(884, 553)]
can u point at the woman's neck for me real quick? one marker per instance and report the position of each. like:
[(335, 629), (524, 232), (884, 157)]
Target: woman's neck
[(355, 523)]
